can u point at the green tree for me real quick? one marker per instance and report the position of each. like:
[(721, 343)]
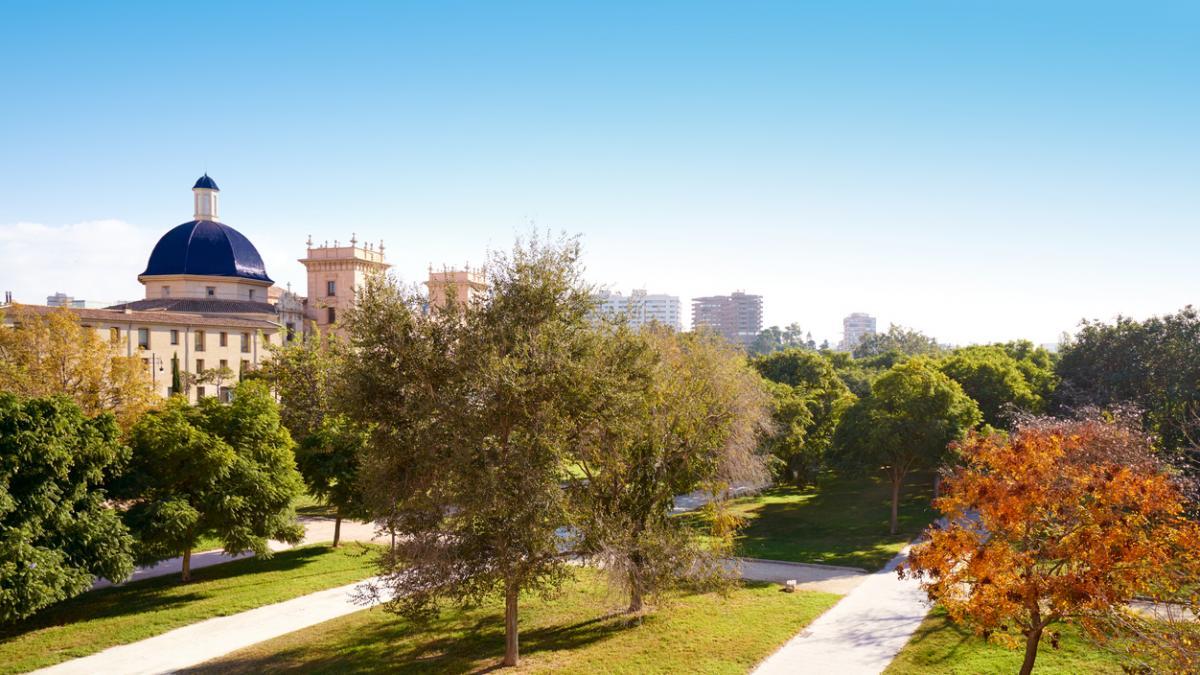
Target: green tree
[(304, 375), (897, 338), (211, 470), (1037, 366), (57, 534), (913, 413), (176, 376), (774, 338), (810, 399), (1154, 364), (994, 379), (676, 413), (472, 423)]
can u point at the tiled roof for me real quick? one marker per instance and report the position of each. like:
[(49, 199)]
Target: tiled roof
[(206, 248), (198, 306), (159, 317)]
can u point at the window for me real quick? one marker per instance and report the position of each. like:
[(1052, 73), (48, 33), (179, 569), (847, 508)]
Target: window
[(174, 337), (251, 293), (144, 338), (199, 366), (330, 315), (166, 291), (331, 288), (210, 291), (224, 339), (245, 367), (114, 334), (199, 340), (199, 392), (246, 343), (146, 362), (224, 363), (291, 331)]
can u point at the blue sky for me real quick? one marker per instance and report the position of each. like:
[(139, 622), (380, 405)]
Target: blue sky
[(976, 170)]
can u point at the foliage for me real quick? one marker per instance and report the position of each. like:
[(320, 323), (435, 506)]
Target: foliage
[(1063, 521), (913, 413), (225, 471), (138, 610), (49, 353), (1037, 366), (1154, 364), (575, 633), (856, 374), (774, 339), (897, 338), (810, 399), (56, 532), (473, 419), (995, 380), (679, 413), (303, 374)]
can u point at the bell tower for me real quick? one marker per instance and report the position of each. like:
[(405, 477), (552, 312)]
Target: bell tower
[(335, 273)]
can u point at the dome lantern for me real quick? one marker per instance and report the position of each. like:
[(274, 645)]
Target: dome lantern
[(206, 192)]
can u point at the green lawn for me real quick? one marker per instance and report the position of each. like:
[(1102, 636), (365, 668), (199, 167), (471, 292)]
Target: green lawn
[(841, 521), (575, 632), (939, 646), (113, 616), (308, 505)]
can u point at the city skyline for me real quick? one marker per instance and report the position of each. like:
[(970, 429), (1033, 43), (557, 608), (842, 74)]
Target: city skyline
[(1030, 168)]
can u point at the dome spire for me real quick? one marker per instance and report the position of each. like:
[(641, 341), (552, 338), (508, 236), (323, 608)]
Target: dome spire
[(205, 191)]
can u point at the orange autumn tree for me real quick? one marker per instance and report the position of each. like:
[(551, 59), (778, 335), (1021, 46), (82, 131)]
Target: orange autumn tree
[(1064, 521)]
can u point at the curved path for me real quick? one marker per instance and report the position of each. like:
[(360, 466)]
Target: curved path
[(861, 634)]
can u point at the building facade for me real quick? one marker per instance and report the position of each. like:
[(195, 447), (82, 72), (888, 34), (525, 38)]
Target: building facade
[(640, 308), (463, 287), (335, 273), (736, 317), (855, 328)]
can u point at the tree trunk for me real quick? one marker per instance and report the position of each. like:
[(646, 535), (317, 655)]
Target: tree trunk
[(512, 655), (337, 529), (1031, 649), (896, 478), (635, 582), (187, 564), (937, 485)]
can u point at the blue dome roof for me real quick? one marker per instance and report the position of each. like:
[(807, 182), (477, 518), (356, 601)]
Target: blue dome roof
[(206, 182), (207, 248)]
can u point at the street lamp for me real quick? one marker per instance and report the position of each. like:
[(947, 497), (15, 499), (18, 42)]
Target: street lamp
[(156, 367)]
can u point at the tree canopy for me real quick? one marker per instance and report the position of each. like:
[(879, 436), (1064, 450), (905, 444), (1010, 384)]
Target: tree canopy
[(913, 413), (221, 470), (897, 338), (809, 400), (995, 380), (57, 534), (49, 353), (1064, 521)]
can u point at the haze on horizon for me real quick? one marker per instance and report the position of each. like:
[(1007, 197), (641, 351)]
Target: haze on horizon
[(976, 172)]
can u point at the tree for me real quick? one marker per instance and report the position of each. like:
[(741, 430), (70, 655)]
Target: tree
[(1064, 521), (472, 423), (913, 413), (994, 379), (211, 470), (676, 413), (774, 338), (215, 376), (176, 376), (1037, 367), (809, 400), (898, 338), (49, 352), (304, 375), (57, 534), (1154, 364)]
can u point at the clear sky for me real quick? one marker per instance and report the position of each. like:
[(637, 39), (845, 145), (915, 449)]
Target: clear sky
[(976, 170)]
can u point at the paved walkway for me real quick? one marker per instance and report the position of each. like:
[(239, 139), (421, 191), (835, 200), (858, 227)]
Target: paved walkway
[(192, 645), (861, 634)]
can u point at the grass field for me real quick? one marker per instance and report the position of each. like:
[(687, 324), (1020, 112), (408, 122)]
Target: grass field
[(113, 616), (841, 521), (940, 647), (574, 632)]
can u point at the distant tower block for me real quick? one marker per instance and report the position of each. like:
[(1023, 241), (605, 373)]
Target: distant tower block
[(465, 286), (335, 273)]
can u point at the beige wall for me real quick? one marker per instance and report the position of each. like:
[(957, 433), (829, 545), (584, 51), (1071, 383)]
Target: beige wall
[(188, 286), (347, 267), (161, 348), (467, 284)]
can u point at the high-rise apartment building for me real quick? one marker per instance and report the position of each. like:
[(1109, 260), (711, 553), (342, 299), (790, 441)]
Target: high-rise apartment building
[(854, 328), (737, 317), (640, 308)]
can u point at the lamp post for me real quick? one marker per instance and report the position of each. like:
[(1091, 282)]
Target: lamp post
[(156, 367)]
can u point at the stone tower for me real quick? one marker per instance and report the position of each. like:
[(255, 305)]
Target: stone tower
[(335, 273)]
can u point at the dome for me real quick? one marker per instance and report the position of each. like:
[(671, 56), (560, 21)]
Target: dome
[(207, 248), (206, 182)]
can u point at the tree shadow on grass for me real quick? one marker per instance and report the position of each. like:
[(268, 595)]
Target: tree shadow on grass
[(448, 644), (157, 594)]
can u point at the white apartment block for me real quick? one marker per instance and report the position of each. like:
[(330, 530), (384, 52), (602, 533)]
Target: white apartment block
[(640, 308), (854, 328)]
